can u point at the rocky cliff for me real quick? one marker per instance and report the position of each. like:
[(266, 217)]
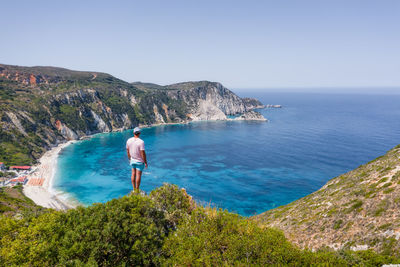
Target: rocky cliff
[(42, 106), (252, 103), (208, 100), (357, 210)]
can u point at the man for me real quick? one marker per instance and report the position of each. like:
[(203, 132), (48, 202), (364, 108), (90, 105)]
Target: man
[(137, 157)]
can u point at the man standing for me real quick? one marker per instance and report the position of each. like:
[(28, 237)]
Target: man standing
[(136, 156)]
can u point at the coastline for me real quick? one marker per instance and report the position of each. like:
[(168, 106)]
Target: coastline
[(44, 195)]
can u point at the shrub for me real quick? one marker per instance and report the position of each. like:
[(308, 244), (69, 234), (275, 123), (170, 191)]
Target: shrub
[(129, 230), (163, 229), (174, 202), (209, 237)]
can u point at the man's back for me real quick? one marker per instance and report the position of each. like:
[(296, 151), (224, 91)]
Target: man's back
[(134, 145), (137, 157)]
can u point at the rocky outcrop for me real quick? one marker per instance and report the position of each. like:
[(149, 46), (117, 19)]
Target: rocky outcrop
[(65, 131), (273, 106), (100, 124), (252, 103), (14, 119), (206, 111), (159, 118), (251, 116), (214, 94)]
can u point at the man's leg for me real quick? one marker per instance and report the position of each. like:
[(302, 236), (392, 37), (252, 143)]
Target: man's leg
[(138, 178), (133, 178)]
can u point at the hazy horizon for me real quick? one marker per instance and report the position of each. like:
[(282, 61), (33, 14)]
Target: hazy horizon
[(253, 44), (326, 90)]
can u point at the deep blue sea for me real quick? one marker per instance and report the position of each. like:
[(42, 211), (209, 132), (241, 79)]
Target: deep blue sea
[(243, 166)]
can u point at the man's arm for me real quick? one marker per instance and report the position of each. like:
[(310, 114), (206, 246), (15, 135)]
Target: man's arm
[(129, 155), (144, 157)]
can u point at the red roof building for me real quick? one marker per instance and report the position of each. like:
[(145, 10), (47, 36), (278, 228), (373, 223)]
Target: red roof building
[(18, 180), (20, 167)]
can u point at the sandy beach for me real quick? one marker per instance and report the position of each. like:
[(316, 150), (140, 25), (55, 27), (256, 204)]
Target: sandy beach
[(42, 193)]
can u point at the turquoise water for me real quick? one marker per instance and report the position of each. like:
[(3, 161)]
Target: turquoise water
[(246, 167)]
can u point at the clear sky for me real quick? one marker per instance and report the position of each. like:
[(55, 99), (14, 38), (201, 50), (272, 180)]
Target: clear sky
[(243, 44)]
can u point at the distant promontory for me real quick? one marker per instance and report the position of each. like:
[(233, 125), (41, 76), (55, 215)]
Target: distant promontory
[(43, 106)]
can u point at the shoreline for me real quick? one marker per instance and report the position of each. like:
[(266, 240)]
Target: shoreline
[(43, 195)]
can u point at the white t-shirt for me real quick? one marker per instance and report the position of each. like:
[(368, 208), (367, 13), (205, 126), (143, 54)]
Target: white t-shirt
[(135, 145)]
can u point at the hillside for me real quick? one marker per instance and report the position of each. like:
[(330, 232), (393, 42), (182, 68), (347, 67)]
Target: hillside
[(358, 210), (43, 106), (165, 228), (14, 202)]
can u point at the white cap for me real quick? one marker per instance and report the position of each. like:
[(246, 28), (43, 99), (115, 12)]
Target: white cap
[(136, 130)]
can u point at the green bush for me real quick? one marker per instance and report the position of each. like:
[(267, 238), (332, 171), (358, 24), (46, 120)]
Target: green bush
[(165, 228), (4, 208), (211, 237), (366, 258), (174, 202), (129, 230)]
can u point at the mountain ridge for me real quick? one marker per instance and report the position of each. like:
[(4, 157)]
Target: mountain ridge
[(43, 106)]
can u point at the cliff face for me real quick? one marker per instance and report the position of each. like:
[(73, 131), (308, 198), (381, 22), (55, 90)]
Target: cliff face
[(208, 101), (207, 94), (357, 210), (42, 106), (252, 103)]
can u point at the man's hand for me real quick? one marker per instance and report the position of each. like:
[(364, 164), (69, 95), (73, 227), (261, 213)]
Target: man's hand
[(144, 157), (129, 155)]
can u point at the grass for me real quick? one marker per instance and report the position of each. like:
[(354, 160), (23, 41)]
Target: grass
[(382, 180), (378, 212), (389, 190), (338, 224), (386, 185), (356, 206), (385, 226)]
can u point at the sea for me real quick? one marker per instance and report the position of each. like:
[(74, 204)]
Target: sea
[(246, 167)]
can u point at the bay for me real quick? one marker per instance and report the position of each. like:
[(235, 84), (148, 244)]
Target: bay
[(243, 166)]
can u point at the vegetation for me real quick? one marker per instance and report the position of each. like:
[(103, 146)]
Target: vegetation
[(164, 228), (14, 202)]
